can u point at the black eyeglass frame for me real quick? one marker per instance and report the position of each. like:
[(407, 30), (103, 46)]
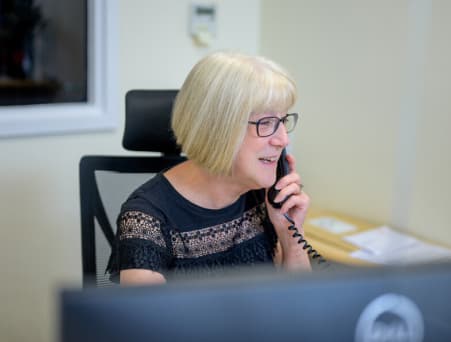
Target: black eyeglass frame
[(276, 127)]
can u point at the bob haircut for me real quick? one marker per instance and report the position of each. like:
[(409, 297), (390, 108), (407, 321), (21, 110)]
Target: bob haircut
[(212, 109)]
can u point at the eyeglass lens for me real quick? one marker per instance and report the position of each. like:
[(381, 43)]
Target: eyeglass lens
[(268, 126)]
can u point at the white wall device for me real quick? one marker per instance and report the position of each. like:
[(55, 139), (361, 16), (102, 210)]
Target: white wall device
[(203, 23)]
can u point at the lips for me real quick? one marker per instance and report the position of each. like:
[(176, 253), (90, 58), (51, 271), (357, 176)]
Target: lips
[(268, 159)]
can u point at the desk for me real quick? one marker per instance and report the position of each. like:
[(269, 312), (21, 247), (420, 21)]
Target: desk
[(326, 230), (332, 246)]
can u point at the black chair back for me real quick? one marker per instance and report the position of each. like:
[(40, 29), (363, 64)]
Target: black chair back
[(147, 128), (147, 121)]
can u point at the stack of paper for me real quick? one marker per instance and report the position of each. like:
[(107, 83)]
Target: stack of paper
[(332, 225), (384, 245)]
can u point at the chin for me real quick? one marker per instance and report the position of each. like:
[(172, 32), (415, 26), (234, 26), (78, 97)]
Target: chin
[(259, 180), (266, 183)]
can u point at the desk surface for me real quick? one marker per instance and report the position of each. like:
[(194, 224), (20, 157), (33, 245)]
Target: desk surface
[(332, 246), (326, 230)]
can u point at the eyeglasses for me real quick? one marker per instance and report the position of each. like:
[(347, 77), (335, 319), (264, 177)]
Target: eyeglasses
[(268, 125)]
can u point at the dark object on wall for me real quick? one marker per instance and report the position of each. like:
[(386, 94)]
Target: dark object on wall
[(19, 22)]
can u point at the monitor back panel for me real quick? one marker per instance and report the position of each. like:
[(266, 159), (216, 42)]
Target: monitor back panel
[(411, 304)]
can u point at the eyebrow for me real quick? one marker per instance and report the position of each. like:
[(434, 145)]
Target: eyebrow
[(257, 116)]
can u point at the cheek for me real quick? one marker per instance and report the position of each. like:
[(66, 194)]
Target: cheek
[(242, 162), (248, 167), (247, 154)]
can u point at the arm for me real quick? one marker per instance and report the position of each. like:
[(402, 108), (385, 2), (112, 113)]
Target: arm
[(136, 276), (140, 250), (293, 256)]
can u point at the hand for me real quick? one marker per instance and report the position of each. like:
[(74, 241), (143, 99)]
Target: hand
[(296, 207)]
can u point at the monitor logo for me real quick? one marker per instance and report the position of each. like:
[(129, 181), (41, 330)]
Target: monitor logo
[(390, 317)]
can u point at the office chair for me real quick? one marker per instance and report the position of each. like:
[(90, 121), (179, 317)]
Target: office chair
[(106, 181)]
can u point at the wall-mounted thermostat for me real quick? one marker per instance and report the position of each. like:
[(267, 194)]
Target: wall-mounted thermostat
[(203, 23)]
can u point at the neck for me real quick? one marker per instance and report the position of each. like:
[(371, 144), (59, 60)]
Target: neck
[(203, 188)]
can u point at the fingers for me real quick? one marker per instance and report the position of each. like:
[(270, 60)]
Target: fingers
[(300, 201), (292, 177), (291, 162), (289, 190)]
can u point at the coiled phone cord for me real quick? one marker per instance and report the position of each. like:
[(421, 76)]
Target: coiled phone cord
[(310, 250)]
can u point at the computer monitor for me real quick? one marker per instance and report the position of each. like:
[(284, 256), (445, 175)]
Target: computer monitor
[(380, 304)]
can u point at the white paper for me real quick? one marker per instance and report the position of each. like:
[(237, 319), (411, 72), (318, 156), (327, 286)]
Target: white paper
[(384, 245), (381, 240), (332, 225)]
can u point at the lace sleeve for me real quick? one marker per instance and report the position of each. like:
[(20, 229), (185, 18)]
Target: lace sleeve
[(140, 243)]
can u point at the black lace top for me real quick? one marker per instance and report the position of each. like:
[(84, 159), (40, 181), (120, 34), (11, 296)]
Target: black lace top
[(160, 230)]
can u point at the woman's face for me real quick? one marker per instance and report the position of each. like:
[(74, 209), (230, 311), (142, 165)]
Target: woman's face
[(256, 161)]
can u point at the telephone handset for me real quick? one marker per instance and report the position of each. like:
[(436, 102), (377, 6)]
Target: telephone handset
[(282, 170)]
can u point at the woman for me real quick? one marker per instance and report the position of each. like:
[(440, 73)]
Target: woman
[(211, 211)]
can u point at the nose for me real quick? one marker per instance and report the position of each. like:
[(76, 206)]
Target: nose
[(280, 137)]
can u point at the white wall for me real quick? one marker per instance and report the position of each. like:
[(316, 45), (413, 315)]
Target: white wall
[(358, 83), (430, 203), (374, 85), (39, 203)]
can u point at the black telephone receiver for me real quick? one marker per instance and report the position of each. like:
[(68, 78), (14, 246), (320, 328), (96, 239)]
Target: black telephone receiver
[(283, 170)]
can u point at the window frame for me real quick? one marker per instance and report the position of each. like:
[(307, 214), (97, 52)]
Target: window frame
[(99, 112)]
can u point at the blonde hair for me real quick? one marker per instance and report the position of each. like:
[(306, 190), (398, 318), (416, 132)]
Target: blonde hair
[(213, 106)]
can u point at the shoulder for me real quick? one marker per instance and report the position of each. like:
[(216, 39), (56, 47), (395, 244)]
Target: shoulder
[(139, 225), (150, 198)]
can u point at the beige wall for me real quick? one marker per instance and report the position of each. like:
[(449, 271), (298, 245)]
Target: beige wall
[(374, 84), (430, 209), (373, 138), (39, 204)]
